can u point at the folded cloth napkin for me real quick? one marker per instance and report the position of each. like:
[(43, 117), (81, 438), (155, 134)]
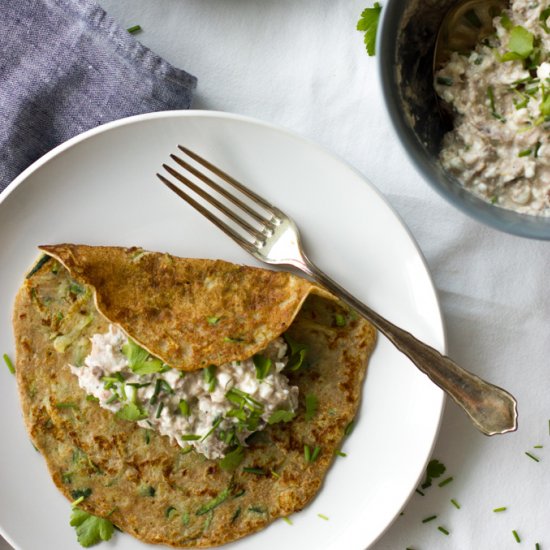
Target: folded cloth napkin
[(65, 67)]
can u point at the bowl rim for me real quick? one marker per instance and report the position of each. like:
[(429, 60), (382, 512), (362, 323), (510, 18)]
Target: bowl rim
[(508, 221)]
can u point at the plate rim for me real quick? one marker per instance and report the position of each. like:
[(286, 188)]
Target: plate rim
[(212, 114)]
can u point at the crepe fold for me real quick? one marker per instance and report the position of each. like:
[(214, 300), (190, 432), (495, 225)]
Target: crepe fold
[(188, 312), (144, 484)]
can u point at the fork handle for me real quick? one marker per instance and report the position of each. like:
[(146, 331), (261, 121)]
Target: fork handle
[(492, 409)]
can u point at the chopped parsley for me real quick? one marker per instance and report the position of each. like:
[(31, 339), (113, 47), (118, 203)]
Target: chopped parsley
[(90, 530), (520, 44), (131, 412), (368, 23), (262, 364), (434, 469)]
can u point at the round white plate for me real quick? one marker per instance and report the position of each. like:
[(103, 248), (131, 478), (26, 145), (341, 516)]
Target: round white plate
[(100, 188)]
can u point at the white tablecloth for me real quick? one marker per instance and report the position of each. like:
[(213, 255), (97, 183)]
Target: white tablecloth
[(301, 64)]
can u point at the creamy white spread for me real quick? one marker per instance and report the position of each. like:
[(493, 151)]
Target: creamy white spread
[(209, 411), (499, 147)]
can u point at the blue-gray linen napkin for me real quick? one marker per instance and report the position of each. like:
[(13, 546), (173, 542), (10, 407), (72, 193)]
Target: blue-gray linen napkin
[(65, 67)]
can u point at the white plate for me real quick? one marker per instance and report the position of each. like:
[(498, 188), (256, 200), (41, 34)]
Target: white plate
[(100, 188)]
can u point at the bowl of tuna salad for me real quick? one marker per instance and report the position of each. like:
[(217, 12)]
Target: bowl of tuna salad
[(491, 156)]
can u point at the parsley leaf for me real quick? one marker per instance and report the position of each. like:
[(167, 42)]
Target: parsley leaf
[(281, 416), (263, 366), (297, 354), (139, 359), (368, 23), (520, 45), (90, 530), (131, 412), (433, 469)]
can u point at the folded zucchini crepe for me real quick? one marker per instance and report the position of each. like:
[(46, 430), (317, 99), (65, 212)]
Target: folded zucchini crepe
[(191, 402)]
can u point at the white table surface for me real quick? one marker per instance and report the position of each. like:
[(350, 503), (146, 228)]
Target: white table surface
[(301, 64)]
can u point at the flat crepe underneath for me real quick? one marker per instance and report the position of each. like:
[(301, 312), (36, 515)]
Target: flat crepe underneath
[(189, 312), (144, 484)]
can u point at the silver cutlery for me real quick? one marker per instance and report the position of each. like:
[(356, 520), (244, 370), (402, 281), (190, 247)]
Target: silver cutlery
[(273, 238)]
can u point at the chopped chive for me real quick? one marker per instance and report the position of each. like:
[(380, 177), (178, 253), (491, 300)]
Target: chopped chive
[(67, 405), (537, 447), (431, 518), (9, 363), (537, 546), (516, 536), (275, 474), (315, 453), (455, 504), (159, 409), (147, 437), (215, 424), (112, 399), (257, 471), (419, 492), (287, 520), (184, 407), (210, 377), (524, 153), (340, 453), (169, 511), (212, 320), (445, 482), (501, 509), (322, 516), (77, 501), (190, 437), (307, 453), (443, 530), (532, 456), (187, 449), (351, 425), (134, 29)]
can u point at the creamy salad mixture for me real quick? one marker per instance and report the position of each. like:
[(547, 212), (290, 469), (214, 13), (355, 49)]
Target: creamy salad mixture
[(209, 409), (500, 147)]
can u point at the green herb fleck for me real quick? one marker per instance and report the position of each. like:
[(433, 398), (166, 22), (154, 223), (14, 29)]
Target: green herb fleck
[(455, 504), (434, 469), (256, 509), (169, 512), (257, 471), (533, 457), (339, 320), (134, 29), (298, 353), (430, 518), (262, 364), (340, 453), (213, 320), (131, 412), (233, 340), (538, 446), (66, 405), (236, 514), (140, 361), (516, 536), (520, 44), (209, 374), (215, 502), (445, 482), (368, 23), (92, 398), (524, 153), (184, 407), (444, 81), (81, 493), (190, 437), (287, 520), (322, 516), (281, 416), (349, 428), (9, 363), (501, 509), (147, 491), (312, 404), (90, 530), (443, 530), (232, 459), (43, 259)]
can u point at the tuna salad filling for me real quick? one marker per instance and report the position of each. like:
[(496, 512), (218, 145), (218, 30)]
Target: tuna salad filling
[(210, 410), (500, 93)]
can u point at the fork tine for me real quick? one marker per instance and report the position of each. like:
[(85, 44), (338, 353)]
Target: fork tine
[(274, 211), (235, 200), (230, 232), (216, 203)]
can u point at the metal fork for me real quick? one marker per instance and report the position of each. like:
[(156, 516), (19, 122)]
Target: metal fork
[(273, 238)]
